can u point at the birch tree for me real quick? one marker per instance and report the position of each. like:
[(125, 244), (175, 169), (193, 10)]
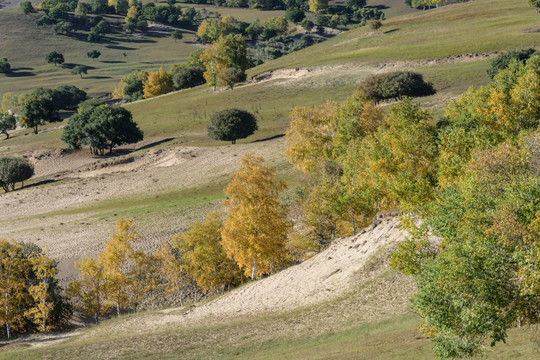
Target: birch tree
[(255, 229)]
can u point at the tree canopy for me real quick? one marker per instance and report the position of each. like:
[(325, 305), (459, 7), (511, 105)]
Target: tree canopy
[(255, 229), (231, 124), (54, 57), (37, 108), (101, 127), (14, 170), (7, 122)]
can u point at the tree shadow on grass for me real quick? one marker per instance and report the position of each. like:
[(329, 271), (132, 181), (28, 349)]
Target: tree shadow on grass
[(390, 31), (113, 62), (379, 7), (120, 47), (39, 183), (269, 138), (156, 143), (72, 65), (96, 77), (19, 72)]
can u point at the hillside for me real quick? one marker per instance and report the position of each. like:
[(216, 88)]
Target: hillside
[(163, 202), (343, 303)]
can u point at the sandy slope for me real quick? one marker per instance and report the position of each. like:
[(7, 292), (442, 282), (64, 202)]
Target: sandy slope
[(330, 274)]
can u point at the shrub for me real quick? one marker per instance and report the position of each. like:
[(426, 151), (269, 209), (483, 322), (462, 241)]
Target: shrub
[(232, 124)]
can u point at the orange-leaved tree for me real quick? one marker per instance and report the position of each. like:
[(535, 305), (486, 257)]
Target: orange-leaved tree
[(256, 227)]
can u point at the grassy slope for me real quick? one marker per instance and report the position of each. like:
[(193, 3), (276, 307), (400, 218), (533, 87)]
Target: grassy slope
[(184, 115), (335, 329), (25, 47)]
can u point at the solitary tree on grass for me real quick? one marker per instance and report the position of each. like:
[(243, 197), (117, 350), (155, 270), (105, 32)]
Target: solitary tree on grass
[(7, 122), (79, 70), (54, 58), (93, 54), (231, 124)]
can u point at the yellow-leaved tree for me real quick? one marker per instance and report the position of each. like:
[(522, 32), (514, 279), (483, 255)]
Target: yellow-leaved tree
[(88, 293), (256, 227), (13, 272), (309, 136), (45, 270), (158, 83), (202, 255), (117, 263)]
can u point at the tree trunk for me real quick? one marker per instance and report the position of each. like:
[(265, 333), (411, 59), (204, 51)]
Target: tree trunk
[(110, 148), (353, 223), (254, 272), (117, 309), (35, 129), (333, 232), (233, 141), (8, 328)]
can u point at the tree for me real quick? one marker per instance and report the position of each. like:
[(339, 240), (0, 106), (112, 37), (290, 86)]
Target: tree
[(93, 54), (88, 293), (79, 70), (255, 229), (14, 170), (13, 273), (295, 15), (535, 4), (54, 58), (27, 7), (45, 269), (109, 126), (228, 52), (5, 67), (68, 97), (231, 124), (73, 134), (188, 77), (502, 61), (309, 136), (231, 76), (307, 24), (7, 122), (117, 264), (132, 86), (38, 108), (484, 278), (202, 255), (176, 35), (316, 6), (158, 83)]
